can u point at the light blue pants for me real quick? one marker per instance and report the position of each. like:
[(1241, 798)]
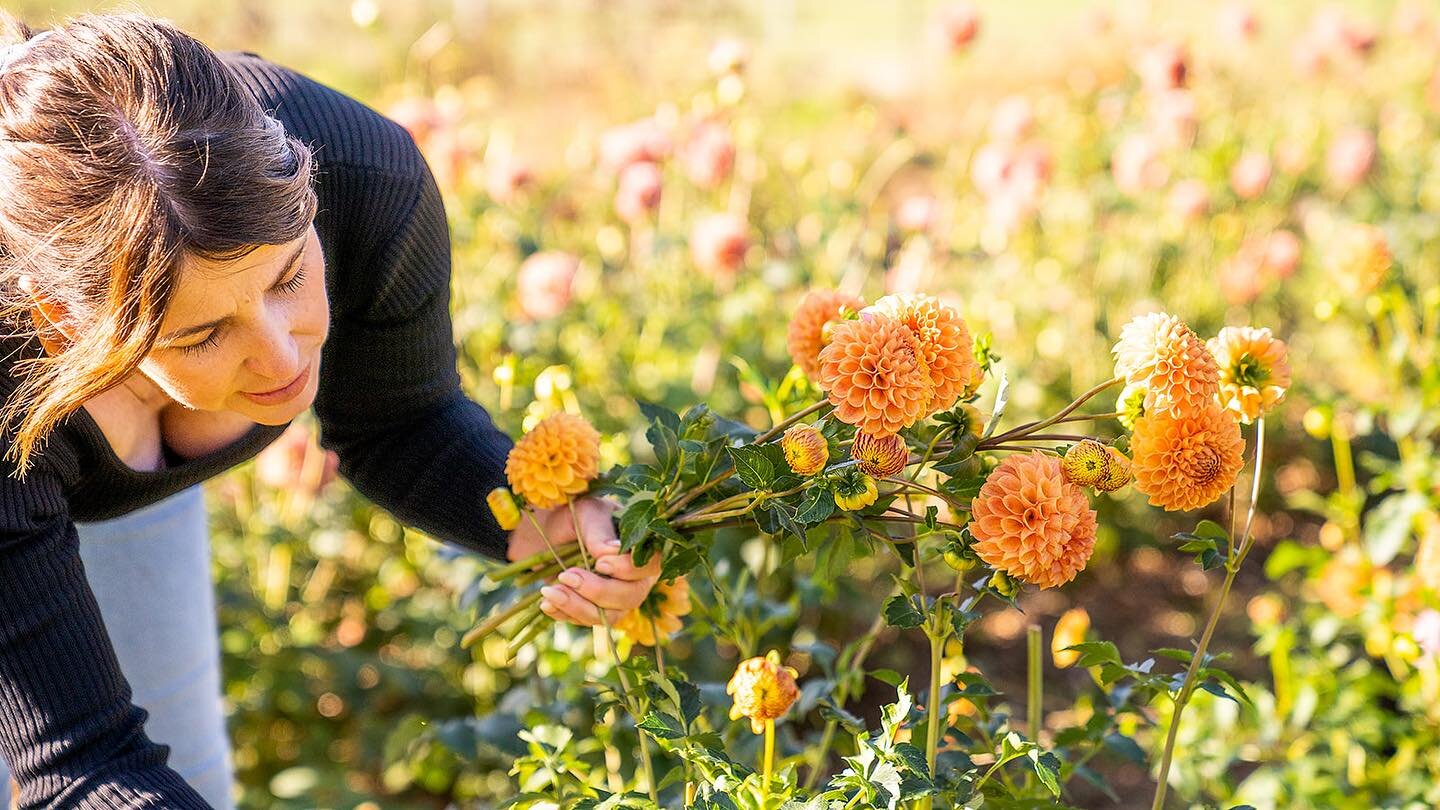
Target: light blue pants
[(150, 571)]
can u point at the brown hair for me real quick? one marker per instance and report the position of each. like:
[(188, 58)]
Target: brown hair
[(124, 145)]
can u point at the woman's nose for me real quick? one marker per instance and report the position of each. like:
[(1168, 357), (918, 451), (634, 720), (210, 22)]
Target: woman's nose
[(276, 358)]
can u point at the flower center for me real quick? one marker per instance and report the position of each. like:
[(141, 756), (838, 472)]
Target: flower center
[(1201, 466), (1249, 372)]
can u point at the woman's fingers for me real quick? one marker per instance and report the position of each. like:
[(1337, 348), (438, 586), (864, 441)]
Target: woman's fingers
[(563, 603), (596, 528), (606, 592), (622, 566)]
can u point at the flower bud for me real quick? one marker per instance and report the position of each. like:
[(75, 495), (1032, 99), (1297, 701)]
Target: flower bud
[(502, 505), (806, 449), (856, 493), (1086, 463), (1117, 474), (880, 456), (1003, 584)]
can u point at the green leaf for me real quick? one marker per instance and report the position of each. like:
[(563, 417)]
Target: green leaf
[(666, 445), (1125, 747), (663, 725), (889, 676), (1212, 530), (1097, 652), (635, 520), (1047, 767), (850, 722), (816, 506), (1388, 525), (752, 466), (659, 413), (901, 612)]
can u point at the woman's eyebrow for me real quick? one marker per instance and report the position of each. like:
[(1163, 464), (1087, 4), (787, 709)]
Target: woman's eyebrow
[(200, 327)]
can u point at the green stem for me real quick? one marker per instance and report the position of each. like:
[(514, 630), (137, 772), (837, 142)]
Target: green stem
[(1032, 427), (1034, 682), (932, 729), (489, 625), (769, 763), (1188, 686)]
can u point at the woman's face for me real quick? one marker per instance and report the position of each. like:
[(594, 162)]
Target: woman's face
[(246, 327)]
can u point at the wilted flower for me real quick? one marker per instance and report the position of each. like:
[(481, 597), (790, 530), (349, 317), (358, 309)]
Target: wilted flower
[(806, 336), (1250, 175), (1349, 158), (554, 461), (638, 193), (1186, 459), (1031, 523), (1254, 370), (763, 690), (661, 610), (1160, 352), (1069, 631), (880, 456), (873, 372), (946, 348), (543, 283), (1086, 463), (805, 448), (718, 243), (502, 505)]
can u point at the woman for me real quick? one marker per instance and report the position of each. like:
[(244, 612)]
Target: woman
[(194, 249)]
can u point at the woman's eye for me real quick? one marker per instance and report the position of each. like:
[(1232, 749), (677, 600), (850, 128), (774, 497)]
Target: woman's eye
[(202, 345), (294, 284)]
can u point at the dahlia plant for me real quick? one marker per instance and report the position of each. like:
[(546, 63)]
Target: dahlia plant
[(893, 457)]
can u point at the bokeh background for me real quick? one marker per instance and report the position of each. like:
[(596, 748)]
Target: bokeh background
[(1053, 169)]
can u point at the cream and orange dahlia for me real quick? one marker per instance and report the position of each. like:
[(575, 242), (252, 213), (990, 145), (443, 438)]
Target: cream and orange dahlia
[(1254, 370), (946, 348), (1160, 352), (1031, 523), (806, 449), (763, 690), (880, 456), (660, 611), (806, 335), (1186, 460), (872, 372), (555, 461)]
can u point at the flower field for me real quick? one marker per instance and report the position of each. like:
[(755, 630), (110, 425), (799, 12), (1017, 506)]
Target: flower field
[(1028, 406)]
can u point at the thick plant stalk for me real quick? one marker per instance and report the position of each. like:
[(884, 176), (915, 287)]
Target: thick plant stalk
[(1033, 679), (769, 766), (1232, 567)]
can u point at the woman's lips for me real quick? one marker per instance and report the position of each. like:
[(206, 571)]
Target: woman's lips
[(294, 387)]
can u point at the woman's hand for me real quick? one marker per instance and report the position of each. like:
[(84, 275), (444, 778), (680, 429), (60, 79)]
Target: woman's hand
[(617, 586)]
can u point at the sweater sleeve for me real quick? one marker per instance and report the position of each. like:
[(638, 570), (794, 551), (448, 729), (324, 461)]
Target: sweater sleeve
[(68, 728), (390, 403)]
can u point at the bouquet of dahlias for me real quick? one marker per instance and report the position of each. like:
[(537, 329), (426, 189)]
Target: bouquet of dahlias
[(898, 423)]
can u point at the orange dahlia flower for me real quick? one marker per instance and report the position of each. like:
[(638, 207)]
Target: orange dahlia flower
[(1185, 461), (1160, 352), (763, 690), (661, 611), (554, 461), (806, 449), (873, 373), (1069, 631), (945, 344), (880, 456), (1031, 523), (1254, 370), (806, 334)]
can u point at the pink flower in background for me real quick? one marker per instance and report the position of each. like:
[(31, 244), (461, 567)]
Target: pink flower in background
[(1426, 630), (1163, 66), (544, 282), (1411, 20), (958, 23), (1012, 179), (505, 178), (1292, 156), (728, 55), (1308, 56), (1240, 277), (989, 167), (638, 193), (1173, 118), (916, 213), (1282, 253), (1250, 175), (1349, 158), (418, 115), (643, 141), (1012, 120), (709, 154), (1336, 32), (718, 243), (1136, 165), (295, 462), (1189, 200), (1237, 23)]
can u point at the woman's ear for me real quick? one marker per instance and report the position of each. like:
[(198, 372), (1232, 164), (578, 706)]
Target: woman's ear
[(48, 314)]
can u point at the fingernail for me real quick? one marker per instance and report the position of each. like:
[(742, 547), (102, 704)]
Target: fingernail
[(612, 543), (546, 607), (552, 593), (570, 578), (604, 567)]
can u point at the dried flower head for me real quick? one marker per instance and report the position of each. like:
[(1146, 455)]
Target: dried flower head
[(763, 690)]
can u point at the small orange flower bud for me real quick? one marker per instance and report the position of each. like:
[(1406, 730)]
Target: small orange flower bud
[(880, 456), (1069, 631), (1086, 464), (502, 505), (806, 449)]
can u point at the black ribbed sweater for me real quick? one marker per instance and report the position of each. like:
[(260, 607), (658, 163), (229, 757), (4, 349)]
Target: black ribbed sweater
[(389, 403)]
